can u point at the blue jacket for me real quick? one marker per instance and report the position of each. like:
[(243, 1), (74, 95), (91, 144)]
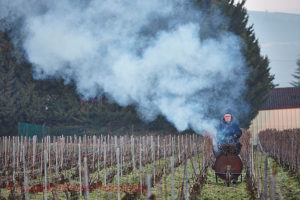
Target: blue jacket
[(228, 132)]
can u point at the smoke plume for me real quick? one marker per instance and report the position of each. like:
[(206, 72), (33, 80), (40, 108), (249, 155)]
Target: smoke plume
[(149, 54)]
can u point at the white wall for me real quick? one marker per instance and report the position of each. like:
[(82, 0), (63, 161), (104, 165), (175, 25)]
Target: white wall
[(279, 119)]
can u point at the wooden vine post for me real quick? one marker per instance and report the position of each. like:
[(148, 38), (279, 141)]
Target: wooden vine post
[(26, 184), (45, 173), (118, 171), (79, 167), (172, 178), (86, 180)]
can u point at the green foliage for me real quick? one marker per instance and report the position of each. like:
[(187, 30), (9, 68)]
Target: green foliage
[(213, 190), (15, 86), (54, 103), (26, 100), (259, 82), (296, 75)]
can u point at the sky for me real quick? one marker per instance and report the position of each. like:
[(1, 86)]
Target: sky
[(277, 27), (287, 6)]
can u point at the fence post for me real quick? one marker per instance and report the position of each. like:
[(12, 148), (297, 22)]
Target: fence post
[(272, 185), (45, 172), (141, 181), (186, 173), (86, 179), (153, 159), (18, 152), (104, 158), (25, 176), (266, 177), (195, 155), (258, 171), (118, 171), (172, 177), (5, 150), (34, 151), (79, 165), (14, 159), (132, 152), (148, 186), (178, 143), (56, 161), (164, 156)]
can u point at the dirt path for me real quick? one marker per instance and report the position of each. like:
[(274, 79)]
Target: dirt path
[(214, 191)]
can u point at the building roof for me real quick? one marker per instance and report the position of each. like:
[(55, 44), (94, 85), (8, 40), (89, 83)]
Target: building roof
[(281, 98)]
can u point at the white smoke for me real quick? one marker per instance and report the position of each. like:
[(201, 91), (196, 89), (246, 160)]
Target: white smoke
[(143, 53)]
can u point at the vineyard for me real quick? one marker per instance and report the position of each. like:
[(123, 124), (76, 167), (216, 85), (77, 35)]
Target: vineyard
[(145, 167)]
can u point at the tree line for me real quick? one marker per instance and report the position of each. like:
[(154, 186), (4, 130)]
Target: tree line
[(51, 102)]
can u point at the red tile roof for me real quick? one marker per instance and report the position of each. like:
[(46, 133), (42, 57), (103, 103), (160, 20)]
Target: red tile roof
[(281, 98)]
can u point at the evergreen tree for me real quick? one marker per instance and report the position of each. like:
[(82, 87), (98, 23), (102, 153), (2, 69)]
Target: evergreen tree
[(260, 81), (53, 103), (296, 75), (59, 103), (23, 99), (16, 88)]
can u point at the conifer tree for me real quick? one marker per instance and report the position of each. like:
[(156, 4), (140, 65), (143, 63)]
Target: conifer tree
[(260, 81), (296, 75), (57, 104), (15, 86)]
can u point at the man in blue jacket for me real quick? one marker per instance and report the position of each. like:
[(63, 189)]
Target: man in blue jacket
[(228, 132)]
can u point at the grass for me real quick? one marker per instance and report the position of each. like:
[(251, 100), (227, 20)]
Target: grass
[(215, 191), (288, 184)]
